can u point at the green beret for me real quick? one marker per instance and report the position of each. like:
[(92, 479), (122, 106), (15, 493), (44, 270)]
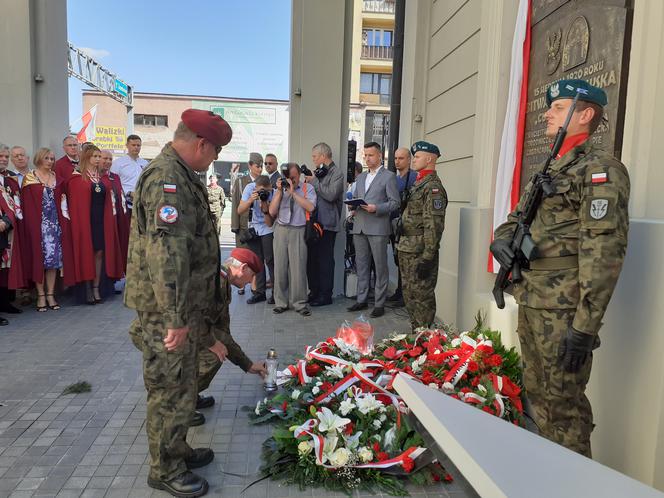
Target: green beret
[(566, 89), (426, 147)]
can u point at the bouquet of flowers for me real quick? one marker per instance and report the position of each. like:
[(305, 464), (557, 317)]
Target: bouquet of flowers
[(341, 425)]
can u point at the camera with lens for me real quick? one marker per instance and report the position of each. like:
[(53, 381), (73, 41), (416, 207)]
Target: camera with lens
[(263, 195), (284, 176), (305, 170)]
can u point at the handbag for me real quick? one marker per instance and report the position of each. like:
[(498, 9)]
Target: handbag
[(313, 231)]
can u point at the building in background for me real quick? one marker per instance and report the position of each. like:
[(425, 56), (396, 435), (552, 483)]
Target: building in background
[(371, 78), (258, 125)]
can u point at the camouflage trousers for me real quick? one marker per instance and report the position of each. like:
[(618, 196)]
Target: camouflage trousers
[(208, 362), (560, 407), (171, 384), (418, 293)]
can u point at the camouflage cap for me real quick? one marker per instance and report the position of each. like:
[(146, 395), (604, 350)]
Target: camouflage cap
[(255, 158), (566, 89), (425, 147)]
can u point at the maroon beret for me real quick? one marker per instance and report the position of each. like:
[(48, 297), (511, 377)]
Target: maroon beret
[(249, 257), (208, 125)]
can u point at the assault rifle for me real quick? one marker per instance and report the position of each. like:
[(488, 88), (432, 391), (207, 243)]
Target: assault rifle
[(522, 244)]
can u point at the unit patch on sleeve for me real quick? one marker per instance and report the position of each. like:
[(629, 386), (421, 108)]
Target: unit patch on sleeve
[(599, 208), (168, 214)]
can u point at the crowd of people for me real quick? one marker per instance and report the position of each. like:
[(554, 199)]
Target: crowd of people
[(68, 217)]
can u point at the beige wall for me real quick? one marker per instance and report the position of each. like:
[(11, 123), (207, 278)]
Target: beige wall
[(457, 56), (33, 40)]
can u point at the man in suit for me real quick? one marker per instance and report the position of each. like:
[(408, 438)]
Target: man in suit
[(372, 228), (271, 165), (66, 165)]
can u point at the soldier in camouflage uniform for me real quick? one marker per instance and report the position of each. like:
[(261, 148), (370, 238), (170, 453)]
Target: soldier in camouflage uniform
[(173, 284), (237, 270), (422, 225), (217, 201), (581, 235)]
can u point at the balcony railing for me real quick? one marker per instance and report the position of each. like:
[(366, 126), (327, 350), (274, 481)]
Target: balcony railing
[(378, 6), (377, 52)]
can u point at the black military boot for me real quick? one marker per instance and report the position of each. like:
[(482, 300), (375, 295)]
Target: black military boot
[(200, 457), (204, 402), (197, 419), (186, 485)]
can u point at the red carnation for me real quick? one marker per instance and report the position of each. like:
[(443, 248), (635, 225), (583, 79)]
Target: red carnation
[(348, 430), (376, 447), (448, 478), (435, 476), (381, 456), (473, 366), (487, 409), (384, 398), (326, 386), (416, 351), (390, 353), (475, 382), (495, 360), (408, 464), (284, 406)]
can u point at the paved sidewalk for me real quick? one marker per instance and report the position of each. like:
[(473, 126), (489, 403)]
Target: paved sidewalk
[(94, 444)]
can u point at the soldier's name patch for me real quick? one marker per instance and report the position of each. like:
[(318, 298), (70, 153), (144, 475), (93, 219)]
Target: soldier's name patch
[(599, 177), (168, 214), (170, 188), (598, 208)]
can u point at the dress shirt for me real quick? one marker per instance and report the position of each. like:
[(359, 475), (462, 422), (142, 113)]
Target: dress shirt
[(257, 215), (290, 212), (128, 170), (370, 178)]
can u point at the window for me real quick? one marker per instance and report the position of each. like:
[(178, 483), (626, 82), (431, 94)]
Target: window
[(375, 37), (376, 83), (150, 120)]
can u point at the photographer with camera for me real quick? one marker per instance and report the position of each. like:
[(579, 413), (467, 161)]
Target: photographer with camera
[(328, 181), (258, 237), (290, 202)]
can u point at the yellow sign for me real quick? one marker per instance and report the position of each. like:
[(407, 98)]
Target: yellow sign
[(111, 138)]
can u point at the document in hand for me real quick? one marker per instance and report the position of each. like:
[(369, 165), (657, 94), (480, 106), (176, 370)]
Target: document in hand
[(355, 202)]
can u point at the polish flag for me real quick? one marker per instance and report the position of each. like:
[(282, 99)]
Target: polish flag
[(89, 131), (508, 177)]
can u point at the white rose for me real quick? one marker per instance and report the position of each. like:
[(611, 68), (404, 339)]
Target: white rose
[(304, 448), (340, 457), (315, 390), (295, 394), (382, 418), (365, 454), (376, 423), (346, 407)]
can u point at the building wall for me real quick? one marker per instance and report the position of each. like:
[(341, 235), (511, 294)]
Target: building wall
[(33, 41), (456, 67)]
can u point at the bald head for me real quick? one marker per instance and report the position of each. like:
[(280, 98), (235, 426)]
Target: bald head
[(106, 161), (402, 159)]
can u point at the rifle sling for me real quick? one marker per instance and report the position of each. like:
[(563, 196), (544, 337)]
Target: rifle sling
[(557, 263)]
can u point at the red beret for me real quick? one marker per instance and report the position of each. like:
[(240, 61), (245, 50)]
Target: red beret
[(249, 257), (208, 125)]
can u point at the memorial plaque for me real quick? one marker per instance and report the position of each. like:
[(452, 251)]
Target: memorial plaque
[(585, 39)]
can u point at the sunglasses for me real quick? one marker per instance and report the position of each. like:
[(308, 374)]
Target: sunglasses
[(269, 164)]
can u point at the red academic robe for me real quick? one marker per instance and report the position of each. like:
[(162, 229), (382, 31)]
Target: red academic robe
[(122, 216), (79, 195), (31, 202), (12, 272), (63, 169)]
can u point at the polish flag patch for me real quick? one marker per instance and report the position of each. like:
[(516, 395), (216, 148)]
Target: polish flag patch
[(599, 178), (170, 188)]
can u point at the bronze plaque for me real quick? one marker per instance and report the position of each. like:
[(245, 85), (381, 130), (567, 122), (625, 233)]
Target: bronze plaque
[(585, 39)]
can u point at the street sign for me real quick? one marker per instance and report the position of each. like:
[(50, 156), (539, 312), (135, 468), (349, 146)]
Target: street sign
[(121, 87)]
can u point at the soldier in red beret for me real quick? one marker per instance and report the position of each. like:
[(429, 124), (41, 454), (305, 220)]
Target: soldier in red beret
[(173, 283)]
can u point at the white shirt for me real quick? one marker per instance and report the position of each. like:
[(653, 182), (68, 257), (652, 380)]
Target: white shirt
[(128, 170), (370, 178)]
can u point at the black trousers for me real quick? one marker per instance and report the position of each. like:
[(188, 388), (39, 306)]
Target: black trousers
[(320, 267), (262, 247)]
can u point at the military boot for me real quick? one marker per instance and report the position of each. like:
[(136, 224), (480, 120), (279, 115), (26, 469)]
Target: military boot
[(186, 485)]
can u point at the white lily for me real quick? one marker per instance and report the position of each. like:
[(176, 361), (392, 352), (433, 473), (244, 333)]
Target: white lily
[(329, 421), (398, 337), (390, 437), (330, 446), (296, 393), (368, 403), (335, 371), (353, 441), (346, 406)]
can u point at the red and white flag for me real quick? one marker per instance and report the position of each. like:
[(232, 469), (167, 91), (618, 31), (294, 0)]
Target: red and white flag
[(508, 177), (89, 131)]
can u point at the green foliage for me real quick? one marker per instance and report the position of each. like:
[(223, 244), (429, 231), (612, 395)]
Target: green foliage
[(77, 388)]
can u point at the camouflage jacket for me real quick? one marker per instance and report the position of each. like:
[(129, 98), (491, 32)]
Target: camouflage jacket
[(217, 199), (239, 221), (423, 220), (220, 324), (581, 235), (173, 262)]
